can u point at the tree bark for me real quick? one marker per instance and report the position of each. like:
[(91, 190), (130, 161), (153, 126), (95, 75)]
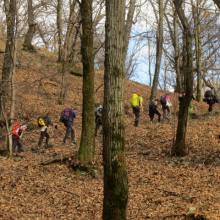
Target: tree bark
[(180, 148), (7, 92), (66, 46), (129, 22), (59, 28), (159, 49), (115, 172), (149, 61), (27, 45), (87, 144), (179, 78), (8, 63), (198, 49)]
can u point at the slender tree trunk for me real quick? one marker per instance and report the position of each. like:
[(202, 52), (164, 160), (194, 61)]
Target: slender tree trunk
[(59, 28), (180, 148), (87, 144), (115, 172), (149, 61), (31, 29), (159, 48), (198, 49), (179, 78), (72, 54), (66, 46), (129, 22)]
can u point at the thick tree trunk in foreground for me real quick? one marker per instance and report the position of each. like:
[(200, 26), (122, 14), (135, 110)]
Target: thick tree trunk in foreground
[(180, 148), (86, 150), (115, 172), (31, 29), (8, 64), (7, 94), (159, 48)]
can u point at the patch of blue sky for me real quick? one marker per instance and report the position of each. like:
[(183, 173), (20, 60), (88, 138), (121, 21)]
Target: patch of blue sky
[(138, 45)]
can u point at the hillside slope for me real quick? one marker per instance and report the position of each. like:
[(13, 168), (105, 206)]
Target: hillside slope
[(160, 187)]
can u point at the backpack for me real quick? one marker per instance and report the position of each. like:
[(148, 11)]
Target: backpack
[(66, 115), (163, 100), (208, 94), (16, 129)]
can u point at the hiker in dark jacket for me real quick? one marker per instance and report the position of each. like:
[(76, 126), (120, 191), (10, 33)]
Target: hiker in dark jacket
[(43, 123), (153, 110), (98, 118), (67, 117), (210, 98)]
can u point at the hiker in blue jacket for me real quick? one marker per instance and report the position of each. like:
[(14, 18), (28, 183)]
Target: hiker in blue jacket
[(67, 117)]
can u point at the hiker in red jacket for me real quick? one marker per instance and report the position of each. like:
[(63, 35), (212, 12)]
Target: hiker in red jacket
[(17, 131)]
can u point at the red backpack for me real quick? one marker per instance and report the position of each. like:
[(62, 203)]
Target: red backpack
[(16, 129)]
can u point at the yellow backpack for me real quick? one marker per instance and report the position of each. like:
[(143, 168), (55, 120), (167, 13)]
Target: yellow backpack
[(136, 100), (40, 122)]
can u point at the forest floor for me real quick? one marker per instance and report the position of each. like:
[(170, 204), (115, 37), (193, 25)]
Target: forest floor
[(160, 186)]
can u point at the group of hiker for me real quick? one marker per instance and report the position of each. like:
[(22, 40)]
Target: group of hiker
[(136, 102), (68, 115)]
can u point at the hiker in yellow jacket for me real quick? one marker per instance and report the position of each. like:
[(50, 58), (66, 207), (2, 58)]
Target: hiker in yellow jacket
[(137, 106)]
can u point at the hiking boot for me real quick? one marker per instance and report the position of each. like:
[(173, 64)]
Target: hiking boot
[(20, 150), (48, 146)]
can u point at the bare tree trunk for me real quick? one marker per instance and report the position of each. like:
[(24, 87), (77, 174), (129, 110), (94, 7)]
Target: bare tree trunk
[(66, 47), (115, 172), (41, 33), (59, 28), (149, 61), (27, 45), (8, 64), (159, 48), (198, 49), (179, 78), (180, 148), (7, 95), (87, 144), (73, 31), (217, 2), (129, 22), (72, 53)]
